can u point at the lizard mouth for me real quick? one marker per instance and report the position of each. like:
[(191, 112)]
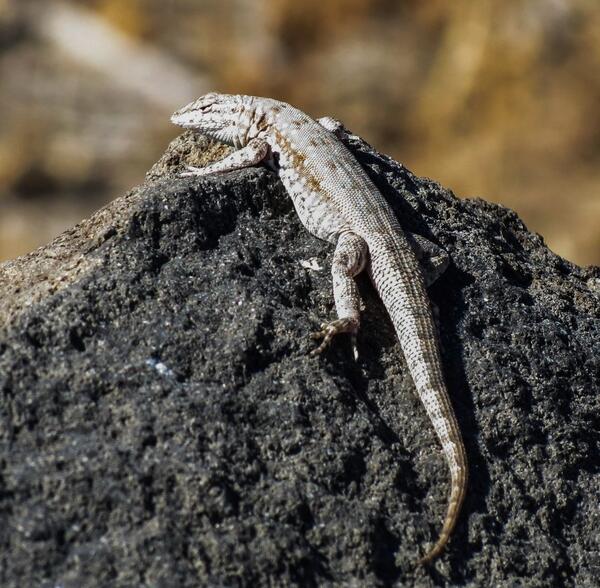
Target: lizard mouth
[(182, 120), (189, 116)]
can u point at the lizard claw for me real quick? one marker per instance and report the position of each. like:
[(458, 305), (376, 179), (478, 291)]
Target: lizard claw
[(330, 330), (354, 347)]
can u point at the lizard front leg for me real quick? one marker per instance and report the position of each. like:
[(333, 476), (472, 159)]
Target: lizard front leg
[(253, 153), (349, 260)]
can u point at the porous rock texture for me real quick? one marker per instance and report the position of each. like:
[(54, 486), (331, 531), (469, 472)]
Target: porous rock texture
[(162, 424)]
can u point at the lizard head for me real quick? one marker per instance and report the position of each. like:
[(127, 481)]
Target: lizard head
[(220, 116)]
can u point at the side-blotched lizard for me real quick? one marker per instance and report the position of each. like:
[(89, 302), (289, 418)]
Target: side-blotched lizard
[(336, 201)]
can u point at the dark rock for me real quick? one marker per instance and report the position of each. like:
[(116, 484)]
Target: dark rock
[(161, 423)]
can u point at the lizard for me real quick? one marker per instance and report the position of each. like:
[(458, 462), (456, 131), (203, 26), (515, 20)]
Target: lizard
[(337, 202)]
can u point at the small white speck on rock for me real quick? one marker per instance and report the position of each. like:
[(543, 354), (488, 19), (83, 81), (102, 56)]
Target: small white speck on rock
[(159, 366), (311, 264)]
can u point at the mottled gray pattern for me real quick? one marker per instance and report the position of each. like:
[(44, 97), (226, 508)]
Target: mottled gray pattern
[(337, 202)]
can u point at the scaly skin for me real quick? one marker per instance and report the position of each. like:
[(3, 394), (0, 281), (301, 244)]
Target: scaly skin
[(336, 201)]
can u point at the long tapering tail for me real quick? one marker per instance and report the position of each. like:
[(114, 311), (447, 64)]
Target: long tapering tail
[(457, 494), (397, 277)]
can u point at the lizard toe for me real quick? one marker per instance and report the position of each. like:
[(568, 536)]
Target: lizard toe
[(192, 171), (330, 330)]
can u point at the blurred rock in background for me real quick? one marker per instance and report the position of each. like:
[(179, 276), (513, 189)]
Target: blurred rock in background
[(492, 99)]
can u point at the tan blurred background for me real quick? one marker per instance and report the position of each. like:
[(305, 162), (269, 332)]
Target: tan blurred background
[(498, 99)]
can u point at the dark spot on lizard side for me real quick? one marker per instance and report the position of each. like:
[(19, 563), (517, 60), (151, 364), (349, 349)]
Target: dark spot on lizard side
[(314, 184), (262, 123), (297, 161), (296, 158)]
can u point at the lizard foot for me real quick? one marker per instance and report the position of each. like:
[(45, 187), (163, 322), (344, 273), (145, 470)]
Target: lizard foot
[(330, 330)]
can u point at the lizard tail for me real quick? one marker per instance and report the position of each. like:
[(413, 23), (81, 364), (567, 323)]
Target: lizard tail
[(457, 495), (398, 280)]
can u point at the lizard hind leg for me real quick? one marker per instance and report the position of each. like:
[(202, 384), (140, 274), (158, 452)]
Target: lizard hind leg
[(433, 260), (349, 260)]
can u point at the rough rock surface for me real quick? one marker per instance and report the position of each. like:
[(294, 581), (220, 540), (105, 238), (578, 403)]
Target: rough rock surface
[(161, 423)]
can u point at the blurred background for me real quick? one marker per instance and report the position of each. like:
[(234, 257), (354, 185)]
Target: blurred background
[(491, 98)]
